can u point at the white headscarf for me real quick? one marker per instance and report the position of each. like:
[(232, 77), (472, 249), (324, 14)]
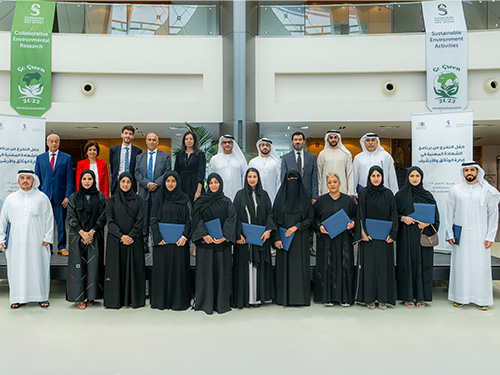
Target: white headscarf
[(236, 150), (272, 154), (26, 172), (370, 135), (341, 146), (486, 187)]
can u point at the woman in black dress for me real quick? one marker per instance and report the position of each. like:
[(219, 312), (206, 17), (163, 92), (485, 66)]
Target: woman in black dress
[(190, 163), (125, 283), (293, 211), (86, 219), (376, 274), (334, 281), (170, 287), (414, 262), (252, 269), (213, 256)]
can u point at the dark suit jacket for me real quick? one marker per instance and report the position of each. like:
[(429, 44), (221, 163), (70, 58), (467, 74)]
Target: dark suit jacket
[(114, 164), (56, 185), (309, 171), (102, 171), (162, 165)]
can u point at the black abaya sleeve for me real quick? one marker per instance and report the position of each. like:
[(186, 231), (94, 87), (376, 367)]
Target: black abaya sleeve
[(136, 230), (113, 228), (229, 227), (101, 220), (317, 214), (360, 216), (394, 216), (202, 166), (239, 205), (187, 223), (199, 231), (307, 220), (73, 220), (270, 223)]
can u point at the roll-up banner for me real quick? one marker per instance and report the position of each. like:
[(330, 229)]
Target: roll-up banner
[(31, 57), (22, 139), (446, 55), (441, 142)]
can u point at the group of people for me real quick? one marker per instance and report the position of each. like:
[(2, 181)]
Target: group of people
[(289, 199)]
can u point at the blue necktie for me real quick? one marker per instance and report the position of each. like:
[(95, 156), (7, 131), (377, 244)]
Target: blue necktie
[(150, 167), (127, 160)]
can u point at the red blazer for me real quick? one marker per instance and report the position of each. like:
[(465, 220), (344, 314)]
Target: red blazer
[(102, 170)]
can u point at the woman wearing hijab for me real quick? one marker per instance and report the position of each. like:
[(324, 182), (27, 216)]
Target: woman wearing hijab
[(376, 274), (414, 262), (213, 255), (293, 211), (125, 268), (170, 285), (252, 268), (335, 258), (86, 219)]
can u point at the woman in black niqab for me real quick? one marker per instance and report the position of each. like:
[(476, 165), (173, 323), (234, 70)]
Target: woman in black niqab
[(170, 283), (376, 274), (125, 282), (293, 211), (213, 256)]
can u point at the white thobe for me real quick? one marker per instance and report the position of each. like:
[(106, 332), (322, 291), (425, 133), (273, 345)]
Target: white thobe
[(335, 160), (269, 170), (470, 271), (28, 262), (231, 171), (365, 160)]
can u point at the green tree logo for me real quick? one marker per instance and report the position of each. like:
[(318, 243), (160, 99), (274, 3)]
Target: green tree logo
[(446, 85)]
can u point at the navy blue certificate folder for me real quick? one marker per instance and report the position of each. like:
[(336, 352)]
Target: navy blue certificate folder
[(171, 233), (285, 241), (214, 229), (358, 188), (378, 229), (457, 232), (337, 223), (424, 212), (253, 233)]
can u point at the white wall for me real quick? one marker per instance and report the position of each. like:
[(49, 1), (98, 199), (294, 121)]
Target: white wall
[(139, 79)]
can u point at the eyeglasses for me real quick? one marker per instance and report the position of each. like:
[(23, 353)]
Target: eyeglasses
[(226, 142)]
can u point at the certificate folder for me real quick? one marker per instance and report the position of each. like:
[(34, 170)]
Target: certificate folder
[(337, 223), (358, 188), (171, 233), (457, 232), (214, 229), (424, 212), (285, 241), (253, 233), (378, 229)]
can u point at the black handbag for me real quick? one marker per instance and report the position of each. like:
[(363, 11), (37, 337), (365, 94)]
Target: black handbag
[(429, 241)]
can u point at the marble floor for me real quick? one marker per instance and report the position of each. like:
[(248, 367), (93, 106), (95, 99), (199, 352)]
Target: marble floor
[(437, 339)]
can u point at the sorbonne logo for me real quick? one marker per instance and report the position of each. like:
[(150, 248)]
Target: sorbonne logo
[(30, 85), (446, 86)]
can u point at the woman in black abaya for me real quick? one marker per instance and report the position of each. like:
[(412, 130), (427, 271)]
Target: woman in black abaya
[(334, 280), (86, 219), (170, 287), (213, 256), (125, 283), (293, 211), (252, 268), (376, 274), (414, 262)]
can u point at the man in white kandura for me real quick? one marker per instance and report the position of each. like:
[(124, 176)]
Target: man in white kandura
[(373, 154), (473, 206), (268, 164), (230, 164), (28, 213), (336, 158)]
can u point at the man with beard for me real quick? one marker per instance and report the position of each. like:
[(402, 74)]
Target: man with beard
[(335, 158), (29, 213), (473, 206), (268, 165)]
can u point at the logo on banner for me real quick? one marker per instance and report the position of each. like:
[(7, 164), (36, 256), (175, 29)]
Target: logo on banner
[(442, 9), (446, 84), (30, 84)]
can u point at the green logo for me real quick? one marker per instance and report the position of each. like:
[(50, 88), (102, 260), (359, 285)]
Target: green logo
[(446, 85), (30, 85)]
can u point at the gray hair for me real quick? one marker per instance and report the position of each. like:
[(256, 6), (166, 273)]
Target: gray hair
[(332, 174), (157, 137), (53, 135)]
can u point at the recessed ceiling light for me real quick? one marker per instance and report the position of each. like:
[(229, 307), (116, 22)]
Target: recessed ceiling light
[(87, 127)]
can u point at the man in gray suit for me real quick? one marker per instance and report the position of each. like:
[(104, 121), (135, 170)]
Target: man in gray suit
[(150, 166)]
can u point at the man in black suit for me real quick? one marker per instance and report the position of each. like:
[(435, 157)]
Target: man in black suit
[(150, 168), (122, 158)]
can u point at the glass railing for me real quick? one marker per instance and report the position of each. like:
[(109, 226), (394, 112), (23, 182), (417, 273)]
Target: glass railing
[(404, 17), (126, 19)]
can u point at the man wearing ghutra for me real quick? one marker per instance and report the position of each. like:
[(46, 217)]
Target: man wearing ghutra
[(373, 154), (29, 213), (230, 164), (335, 158), (473, 205), (269, 166)]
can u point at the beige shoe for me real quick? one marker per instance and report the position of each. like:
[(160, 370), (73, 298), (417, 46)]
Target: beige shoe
[(63, 252), (458, 305), (483, 308)]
